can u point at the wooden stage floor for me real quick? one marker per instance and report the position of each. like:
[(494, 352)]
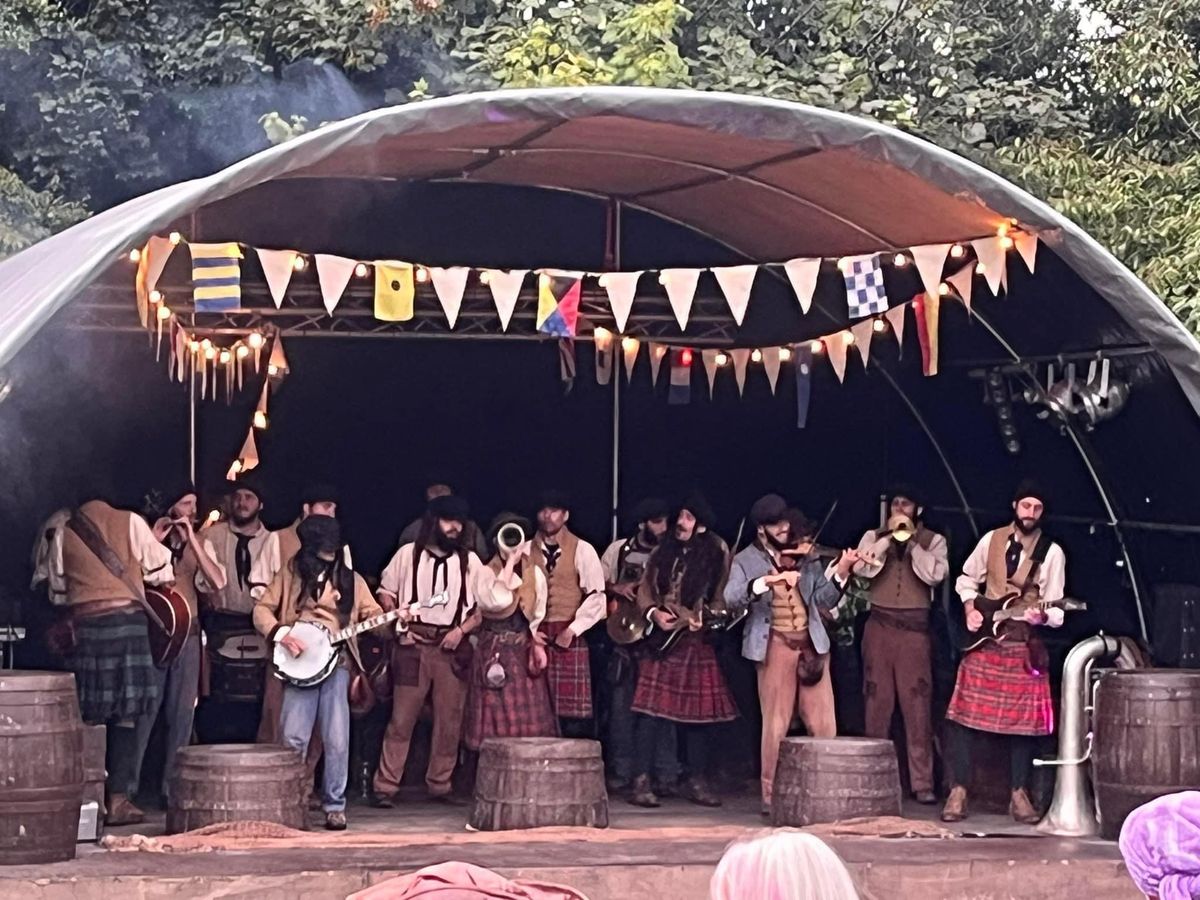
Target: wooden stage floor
[(665, 854)]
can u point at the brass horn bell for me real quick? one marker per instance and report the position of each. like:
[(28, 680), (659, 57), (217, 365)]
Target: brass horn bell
[(901, 528)]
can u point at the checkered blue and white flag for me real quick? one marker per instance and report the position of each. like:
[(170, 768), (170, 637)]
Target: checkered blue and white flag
[(865, 294)]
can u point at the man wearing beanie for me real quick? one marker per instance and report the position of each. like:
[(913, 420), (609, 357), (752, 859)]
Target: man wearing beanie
[(435, 582), (1003, 687), (316, 586), (786, 588), (903, 567), (575, 602)]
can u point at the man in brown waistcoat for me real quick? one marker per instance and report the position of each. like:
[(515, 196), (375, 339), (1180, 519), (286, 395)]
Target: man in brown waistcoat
[(104, 555), (194, 561), (575, 603), (903, 566), (444, 579)]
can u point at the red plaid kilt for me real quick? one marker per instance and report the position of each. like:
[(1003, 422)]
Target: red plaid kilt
[(569, 674), (521, 708), (996, 692), (686, 685)]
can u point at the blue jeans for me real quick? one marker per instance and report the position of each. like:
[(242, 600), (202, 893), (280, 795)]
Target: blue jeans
[(179, 685), (621, 735), (327, 705)]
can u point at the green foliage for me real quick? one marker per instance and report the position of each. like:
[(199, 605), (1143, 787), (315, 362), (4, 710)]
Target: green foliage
[(27, 216)]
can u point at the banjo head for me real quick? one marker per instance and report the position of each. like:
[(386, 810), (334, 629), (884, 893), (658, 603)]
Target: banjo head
[(313, 662)]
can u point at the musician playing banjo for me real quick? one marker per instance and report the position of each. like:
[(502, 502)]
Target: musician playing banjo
[(785, 636), (1003, 687), (684, 684), (317, 586), (904, 562)]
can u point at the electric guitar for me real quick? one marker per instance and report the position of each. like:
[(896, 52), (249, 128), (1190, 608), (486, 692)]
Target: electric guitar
[(322, 650), (997, 612)]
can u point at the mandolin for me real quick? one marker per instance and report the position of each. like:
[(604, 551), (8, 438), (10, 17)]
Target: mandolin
[(997, 612)]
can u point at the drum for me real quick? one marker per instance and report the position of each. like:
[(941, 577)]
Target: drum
[(237, 658)]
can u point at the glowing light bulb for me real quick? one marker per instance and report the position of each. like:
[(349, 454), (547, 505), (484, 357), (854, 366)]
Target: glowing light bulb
[(242, 351), (226, 356), (721, 359), (255, 339), (156, 297), (629, 344), (176, 237), (843, 264), (235, 467), (785, 353), (422, 275), (194, 346), (206, 343), (944, 289), (848, 338), (900, 261), (958, 251), (544, 280), (756, 356), (602, 281), (685, 357), (164, 313), (272, 370), (361, 270), (135, 255), (1006, 242), (260, 420), (817, 346), (485, 277), (879, 326), (299, 263), (1002, 229), (210, 352), (980, 268), (214, 516)]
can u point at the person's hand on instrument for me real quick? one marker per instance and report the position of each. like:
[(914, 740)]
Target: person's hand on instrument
[(1035, 616), (292, 644), (845, 563), (162, 528), (974, 618), (664, 619)]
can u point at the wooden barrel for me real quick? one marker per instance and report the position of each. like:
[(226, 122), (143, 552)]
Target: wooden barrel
[(236, 783), (1146, 742), (831, 779), (41, 767), (533, 782)]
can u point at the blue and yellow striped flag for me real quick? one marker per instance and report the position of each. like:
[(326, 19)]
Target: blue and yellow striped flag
[(216, 277)]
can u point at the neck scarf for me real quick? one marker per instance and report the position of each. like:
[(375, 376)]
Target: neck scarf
[(1161, 845), (241, 558)]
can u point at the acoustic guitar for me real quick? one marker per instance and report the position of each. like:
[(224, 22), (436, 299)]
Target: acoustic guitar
[(712, 621), (997, 612), (170, 623)]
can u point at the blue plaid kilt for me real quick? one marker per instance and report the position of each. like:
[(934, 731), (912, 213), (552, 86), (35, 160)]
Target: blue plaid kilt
[(115, 676)]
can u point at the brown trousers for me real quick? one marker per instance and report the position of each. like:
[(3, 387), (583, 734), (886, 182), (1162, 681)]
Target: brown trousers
[(896, 665), (419, 669), (270, 732), (781, 697)]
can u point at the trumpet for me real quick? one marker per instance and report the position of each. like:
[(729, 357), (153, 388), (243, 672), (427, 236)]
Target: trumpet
[(901, 528), (510, 537)]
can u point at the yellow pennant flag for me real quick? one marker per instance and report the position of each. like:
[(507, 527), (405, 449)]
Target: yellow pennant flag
[(393, 291)]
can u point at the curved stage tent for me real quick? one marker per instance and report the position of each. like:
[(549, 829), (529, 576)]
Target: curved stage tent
[(621, 179)]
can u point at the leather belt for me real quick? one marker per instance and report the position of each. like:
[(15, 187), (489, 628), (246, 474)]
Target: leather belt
[(91, 608), (424, 632)]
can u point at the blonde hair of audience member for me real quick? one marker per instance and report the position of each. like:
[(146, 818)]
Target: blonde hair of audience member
[(782, 865)]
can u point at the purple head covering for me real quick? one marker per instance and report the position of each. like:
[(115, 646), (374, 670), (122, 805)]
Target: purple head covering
[(1161, 845)]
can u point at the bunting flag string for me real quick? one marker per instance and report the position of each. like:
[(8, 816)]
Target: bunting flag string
[(394, 291), (277, 266), (679, 390), (558, 303), (1026, 243), (506, 288), (926, 308), (895, 318), (657, 352), (804, 359), (835, 347), (602, 338), (863, 332), (629, 351), (772, 357), (621, 288), (962, 281), (450, 285), (802, 274), (709, 359), (990, 253), (681, 292), (216, 277), (333, 274), (736, 283), (930, 262), (740, 358)]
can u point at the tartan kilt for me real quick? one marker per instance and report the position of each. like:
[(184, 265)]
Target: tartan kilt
[(996, 692), (569, 674), (686, 685), (115, 675), (521, 708)]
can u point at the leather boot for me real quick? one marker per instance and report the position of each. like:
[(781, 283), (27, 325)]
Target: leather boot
[(1021, 808), (121, 811), (696, 791), (641, 794), (955, 809)]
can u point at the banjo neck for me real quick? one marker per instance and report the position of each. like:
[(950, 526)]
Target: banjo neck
[(369, 624)]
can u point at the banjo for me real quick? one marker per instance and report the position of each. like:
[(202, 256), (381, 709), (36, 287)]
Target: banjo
[(322, 646)]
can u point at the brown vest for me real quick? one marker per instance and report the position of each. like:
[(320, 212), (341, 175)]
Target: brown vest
[(289, 544), (87, 577), (564, 596), (1024, 580), (789, 612), (897, 585), (526, 593), (185, 569)]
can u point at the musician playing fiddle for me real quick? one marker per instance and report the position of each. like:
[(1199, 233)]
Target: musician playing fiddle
[(904, 562), (787, 586), (684, 684), (1003, 687), (316, 585)]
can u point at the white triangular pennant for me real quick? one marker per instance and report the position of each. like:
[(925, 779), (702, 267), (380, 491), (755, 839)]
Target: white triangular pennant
[(895, 317), (835, 346), (277, 266), (990, 252), (802, 273), (333, 274), (621, 287), (736, 283), (709, 358), (249, 452), (771, 360), (930, 260), (863, 332), (657, 352), (962, 281), (1026, 242), (629, 350), (681, 291), (740, 359), (506, 288), (450, 285)]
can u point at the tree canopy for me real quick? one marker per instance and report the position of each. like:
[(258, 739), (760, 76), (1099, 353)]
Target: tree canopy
[(1095, 109)]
